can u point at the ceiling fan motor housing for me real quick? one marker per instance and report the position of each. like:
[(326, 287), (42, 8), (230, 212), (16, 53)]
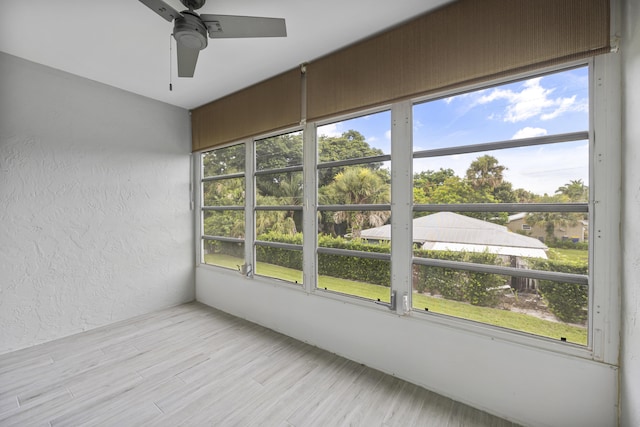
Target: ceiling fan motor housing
[(190, 31)]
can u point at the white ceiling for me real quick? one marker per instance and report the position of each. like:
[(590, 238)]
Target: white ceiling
[(124, 44)]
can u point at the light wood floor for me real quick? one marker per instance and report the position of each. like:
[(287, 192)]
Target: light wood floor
[(193, 365)]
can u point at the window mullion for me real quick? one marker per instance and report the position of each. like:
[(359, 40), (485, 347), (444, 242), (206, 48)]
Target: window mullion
[(309, 215), (250, 199), (401, 200)]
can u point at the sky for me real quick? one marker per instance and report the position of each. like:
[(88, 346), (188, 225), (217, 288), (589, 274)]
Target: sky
[(545, 105)]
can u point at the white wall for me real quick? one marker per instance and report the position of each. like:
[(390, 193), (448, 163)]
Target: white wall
[(630, 354), (95, 222), (530, 386)]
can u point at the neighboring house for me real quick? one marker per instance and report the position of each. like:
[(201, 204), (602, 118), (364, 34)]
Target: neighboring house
[(575, 232), (454, 232)]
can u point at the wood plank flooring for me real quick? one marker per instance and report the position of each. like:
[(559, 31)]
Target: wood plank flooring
[(192, 365)]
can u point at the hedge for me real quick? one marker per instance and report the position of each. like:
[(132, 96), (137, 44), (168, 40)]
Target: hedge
[(475, 288), (567, 301)]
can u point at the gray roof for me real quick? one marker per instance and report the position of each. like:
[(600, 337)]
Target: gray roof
[(458, 230)]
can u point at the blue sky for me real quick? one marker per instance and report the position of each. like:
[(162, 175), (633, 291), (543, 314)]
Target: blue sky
[(546, 105)]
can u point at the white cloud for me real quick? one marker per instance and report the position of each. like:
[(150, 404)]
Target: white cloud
[(387, 135), (532, 101), (529, 132), (330, 130)]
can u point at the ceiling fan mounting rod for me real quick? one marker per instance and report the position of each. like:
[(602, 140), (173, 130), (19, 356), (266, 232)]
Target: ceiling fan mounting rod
[(193, 4)]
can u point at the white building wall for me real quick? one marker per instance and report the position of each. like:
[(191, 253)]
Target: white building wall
[(630, 230), (95, 221)]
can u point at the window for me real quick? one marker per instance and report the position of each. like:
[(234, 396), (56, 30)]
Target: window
[(501, 205), (492, 212), (223, 200), (278, 208), (354, 196)]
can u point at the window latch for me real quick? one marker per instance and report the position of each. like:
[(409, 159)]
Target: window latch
[(390, 305)]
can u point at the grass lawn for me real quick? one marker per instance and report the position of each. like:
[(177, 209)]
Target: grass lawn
[(575, 255), (493, 316)]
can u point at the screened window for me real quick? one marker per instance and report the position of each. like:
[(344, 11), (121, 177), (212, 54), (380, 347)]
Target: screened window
[(354, 195), (278, 209), (501, 205), (223, 201)]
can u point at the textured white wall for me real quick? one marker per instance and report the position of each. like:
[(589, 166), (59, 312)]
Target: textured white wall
[(95, 223), (630, 354)]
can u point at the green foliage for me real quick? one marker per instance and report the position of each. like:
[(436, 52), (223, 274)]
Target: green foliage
[(223, 161), (485, 173), (356, 186), (567, 301), (567, 244), (468, 286), (367, 270), (278, 256), (350, 145)]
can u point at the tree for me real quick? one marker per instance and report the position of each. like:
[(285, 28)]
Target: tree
[(426, 181), (350, 145), (287, 191), (575, 190), (356, 186), (223, 161), (485, 172)]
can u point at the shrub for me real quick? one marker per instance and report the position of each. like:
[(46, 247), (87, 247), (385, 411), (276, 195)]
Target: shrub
[(473, 287), (567, 301)]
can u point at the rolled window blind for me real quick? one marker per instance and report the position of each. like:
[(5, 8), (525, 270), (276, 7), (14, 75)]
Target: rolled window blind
[(465, 41), (272, 104)]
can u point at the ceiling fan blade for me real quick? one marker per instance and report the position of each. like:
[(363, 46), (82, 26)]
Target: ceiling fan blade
[(231, 26), (187, 59), (162, 9)]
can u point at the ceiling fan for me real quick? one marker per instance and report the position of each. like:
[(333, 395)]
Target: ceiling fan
[(190, 29)]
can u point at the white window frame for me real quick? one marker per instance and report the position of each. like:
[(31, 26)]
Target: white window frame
[(604, 214)]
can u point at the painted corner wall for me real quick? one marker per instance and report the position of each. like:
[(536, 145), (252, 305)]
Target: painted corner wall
[(95, 218), (630, 230)]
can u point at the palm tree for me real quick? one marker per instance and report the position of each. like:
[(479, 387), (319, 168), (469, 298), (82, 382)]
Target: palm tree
[(357, 186), (485, 171), (575, 190)]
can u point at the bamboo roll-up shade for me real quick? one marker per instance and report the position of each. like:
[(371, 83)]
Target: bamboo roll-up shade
[(466, 41), (267, 106)]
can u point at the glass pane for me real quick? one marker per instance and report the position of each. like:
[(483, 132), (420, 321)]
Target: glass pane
[(540, 307), (549, 241), (552, 173), (545, 105), (283, 264), (355, 138), (223, 192), (369, 183), (279, 226), (362, 277), (223, 161), (279, 189), (223, 254), (224, 223), (279, 151), (351, 226)]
